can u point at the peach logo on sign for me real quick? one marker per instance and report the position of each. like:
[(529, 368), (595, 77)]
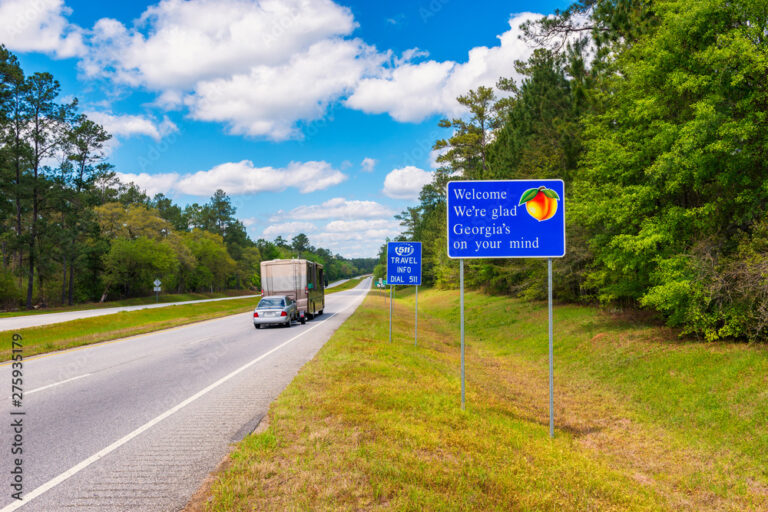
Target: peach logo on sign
[(541, 203)]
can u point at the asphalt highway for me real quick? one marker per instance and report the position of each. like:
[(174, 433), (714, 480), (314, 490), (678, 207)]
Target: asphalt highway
[(137, 424)]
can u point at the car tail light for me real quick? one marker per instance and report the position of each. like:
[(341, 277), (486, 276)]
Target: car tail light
[(255, 315), (283, 313), (306, 289)]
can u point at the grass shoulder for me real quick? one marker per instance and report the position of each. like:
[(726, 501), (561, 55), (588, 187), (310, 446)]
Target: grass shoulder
[(644, 422)]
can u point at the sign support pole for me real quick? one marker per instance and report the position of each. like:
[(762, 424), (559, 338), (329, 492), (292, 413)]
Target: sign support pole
[(416, 323), (551, 379), (461, 286), (391, 287)]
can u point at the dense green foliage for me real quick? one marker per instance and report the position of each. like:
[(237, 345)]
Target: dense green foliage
[(655, 113), (71, 232)]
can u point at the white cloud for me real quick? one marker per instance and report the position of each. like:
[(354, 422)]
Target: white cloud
[(288, 229), (129, 125), (406, 183), (355, 228), (176, 43), (236, 178), (358, 243), (39, 26), (151, 183), (412, 91), (336, 208), (262, 68), (259, 67), (368, 164), (269, 100), (433, 163)]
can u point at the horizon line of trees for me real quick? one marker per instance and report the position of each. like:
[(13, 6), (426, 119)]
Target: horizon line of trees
[(655, 114), (70, 232)]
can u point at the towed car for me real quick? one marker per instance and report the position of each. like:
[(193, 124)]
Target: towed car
[(275, 310)]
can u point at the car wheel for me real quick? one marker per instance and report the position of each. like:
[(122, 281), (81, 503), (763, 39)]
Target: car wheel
[(320, 312), (303, 320), (257, 326)]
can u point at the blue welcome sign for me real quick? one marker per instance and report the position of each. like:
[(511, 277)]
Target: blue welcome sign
[(506, 219), (404, 263)]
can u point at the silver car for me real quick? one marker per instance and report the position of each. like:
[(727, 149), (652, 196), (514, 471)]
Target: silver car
[(275, 309)]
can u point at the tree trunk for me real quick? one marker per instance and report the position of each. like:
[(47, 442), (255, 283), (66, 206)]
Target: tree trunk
[(32, 237), (18, 208), (31, 269), (104, 295)]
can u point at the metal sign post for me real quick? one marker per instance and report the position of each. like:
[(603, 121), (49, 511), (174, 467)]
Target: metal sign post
[(391, 288), (416, 319), (404, 268), (551, 378), (157, 284), (507, 219), (461, 306)]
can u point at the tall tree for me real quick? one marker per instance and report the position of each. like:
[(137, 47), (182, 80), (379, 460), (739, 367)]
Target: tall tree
[(47, 131), (465, 152), (84, 146)]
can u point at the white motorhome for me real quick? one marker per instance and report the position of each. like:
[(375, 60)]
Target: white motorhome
[(303, 280)]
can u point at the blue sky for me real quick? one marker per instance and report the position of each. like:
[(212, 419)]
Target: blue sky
[(314, 116)]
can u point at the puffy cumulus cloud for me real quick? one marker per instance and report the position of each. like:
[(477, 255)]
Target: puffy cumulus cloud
[(412, 91), (236, 178), (288, 229), (129, 125), (151, 183), (406, 183), (362, 242), (177, 43), (368, 164), (244, 178), (39, 26), (336, 208), (268, 100), (260, 67), (354, 228)]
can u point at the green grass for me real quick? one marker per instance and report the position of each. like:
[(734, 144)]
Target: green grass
[(85, 331), (136, 301), (644, 421)]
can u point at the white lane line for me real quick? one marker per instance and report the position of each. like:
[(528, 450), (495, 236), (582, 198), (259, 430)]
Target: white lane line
[(56, 384), (53, 482)]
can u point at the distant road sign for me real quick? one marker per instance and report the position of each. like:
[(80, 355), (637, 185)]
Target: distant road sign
[(506, 219), (404, 263), (157, 289), (157, 282)]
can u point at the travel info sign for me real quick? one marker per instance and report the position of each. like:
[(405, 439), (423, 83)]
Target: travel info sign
[(506, 219), (404, 263)]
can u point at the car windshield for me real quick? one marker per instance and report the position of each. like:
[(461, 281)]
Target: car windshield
[(271, 303)]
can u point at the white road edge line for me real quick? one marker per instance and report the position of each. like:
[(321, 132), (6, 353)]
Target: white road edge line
[(117, 444), (56, 384)]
